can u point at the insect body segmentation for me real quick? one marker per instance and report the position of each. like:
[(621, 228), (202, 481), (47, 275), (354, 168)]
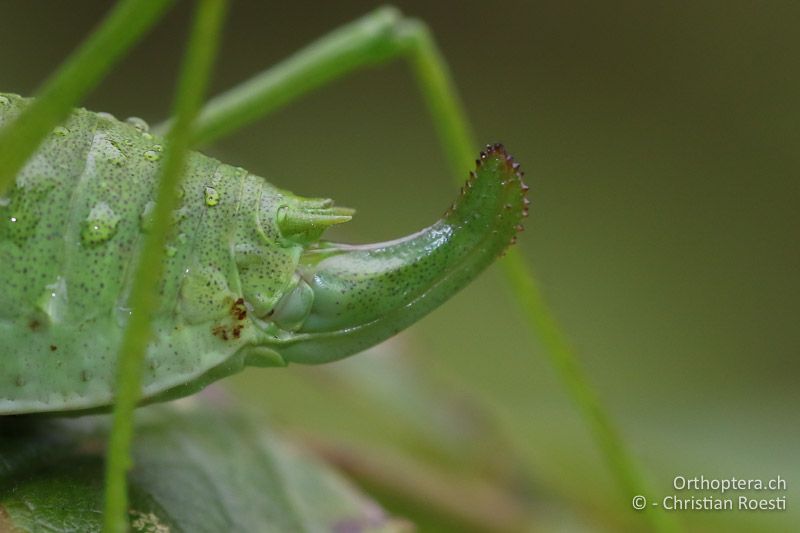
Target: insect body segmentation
[(247, 280)]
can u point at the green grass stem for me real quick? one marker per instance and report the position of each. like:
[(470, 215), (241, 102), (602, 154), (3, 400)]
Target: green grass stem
[(195, 74)]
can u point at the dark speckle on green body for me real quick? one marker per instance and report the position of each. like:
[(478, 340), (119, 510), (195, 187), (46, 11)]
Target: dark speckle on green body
[(246, 280)]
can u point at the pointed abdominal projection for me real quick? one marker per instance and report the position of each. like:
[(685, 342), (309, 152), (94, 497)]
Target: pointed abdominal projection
[(352, 297), (246, 279)]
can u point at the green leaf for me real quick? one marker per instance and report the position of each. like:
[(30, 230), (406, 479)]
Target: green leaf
[(197, 467)]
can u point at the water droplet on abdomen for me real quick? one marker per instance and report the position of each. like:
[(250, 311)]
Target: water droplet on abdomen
[(146, 218), (122, 315), (138, 123), (100, 225), (211, 196)]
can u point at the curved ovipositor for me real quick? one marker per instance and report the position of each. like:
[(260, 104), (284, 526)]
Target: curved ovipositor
[(247, 280)]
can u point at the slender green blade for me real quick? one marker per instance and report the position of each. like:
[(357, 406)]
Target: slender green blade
[(191, 89)]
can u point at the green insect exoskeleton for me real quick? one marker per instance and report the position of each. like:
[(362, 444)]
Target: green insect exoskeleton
[(247, 280)]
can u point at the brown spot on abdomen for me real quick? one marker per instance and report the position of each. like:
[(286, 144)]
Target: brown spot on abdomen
[(220, 331), (238, 309)]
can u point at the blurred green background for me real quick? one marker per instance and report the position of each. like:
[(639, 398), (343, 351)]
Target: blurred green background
[(660, 142)]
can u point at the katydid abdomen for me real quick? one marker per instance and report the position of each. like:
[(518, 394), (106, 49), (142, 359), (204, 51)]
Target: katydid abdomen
[(246, 281)]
